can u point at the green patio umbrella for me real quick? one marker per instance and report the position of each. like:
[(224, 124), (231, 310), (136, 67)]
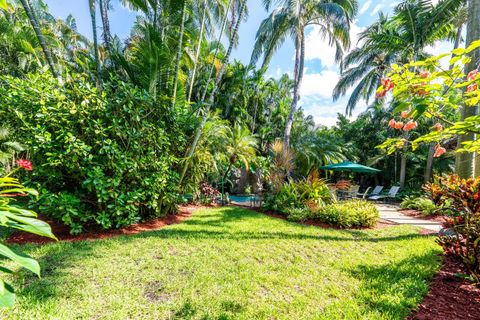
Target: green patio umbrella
[(349, 166)]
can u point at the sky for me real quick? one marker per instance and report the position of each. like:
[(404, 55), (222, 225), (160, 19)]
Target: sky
[(321, 71)]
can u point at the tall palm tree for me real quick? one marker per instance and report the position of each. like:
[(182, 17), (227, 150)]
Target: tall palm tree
[(466, 164), (27, 6), (107, 35), (240, 146), (93, 16), (292, 17), (218, 79), (179, 51)]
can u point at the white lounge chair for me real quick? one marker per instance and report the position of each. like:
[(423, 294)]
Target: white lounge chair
[(376, 191), (390, 196)]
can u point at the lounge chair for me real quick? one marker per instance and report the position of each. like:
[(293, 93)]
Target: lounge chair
[(392, 194), (376, 191)]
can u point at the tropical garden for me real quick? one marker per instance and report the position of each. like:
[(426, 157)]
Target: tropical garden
[(122, 162)]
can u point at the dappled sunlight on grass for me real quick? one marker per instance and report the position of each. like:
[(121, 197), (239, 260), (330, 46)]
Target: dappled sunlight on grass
[(230, 263)]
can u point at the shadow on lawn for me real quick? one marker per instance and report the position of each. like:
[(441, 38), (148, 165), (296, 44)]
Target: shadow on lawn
[(57, 259), (403, 281)]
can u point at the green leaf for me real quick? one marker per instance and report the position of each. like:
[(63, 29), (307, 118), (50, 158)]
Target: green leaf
[(4, 5), (7, 299), (28, 224), (20, 258)]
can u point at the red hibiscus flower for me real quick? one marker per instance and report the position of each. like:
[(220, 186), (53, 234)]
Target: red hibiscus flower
[(392, 123), (399, 125), (25, 164), (387, 84)]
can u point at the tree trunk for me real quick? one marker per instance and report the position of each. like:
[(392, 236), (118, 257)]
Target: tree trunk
[(299, 66), (179, 53), (197, 54), (27, 6), (93, 15), (199, 131), (429, 166), (403, 162), (107, 36), (464, 161)]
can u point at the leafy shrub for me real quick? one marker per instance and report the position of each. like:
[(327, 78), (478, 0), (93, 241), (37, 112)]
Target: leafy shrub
[(208, 193), (422, 204), (347, 214), (12, 216), (461, 199), (113, 153), (311, 193), (298, 214)]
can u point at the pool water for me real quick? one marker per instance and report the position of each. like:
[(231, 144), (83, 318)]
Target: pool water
[(240, 199)]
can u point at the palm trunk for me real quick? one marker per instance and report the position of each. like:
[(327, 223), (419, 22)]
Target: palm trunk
[(197, 53), (199, 131), (27, 6), (107, 36), (465, 161), (299, 65), (179, 53), (93, 15)]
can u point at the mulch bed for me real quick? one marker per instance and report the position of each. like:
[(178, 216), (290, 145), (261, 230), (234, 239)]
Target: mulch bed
[(450, 297), (62, 232)]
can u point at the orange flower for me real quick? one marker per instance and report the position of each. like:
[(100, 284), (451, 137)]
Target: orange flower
[(399, 125), (381, 94), (422, 92), (438, 127), (392, 123), (410, 125), (439, 150), (424, 74), (387, 84), (472, 75), (405, 114), (472, 87)]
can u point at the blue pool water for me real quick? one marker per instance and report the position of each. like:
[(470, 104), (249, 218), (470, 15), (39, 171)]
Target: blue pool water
[(240, 199)]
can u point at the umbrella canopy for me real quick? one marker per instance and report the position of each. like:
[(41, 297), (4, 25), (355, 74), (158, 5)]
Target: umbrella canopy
[(350, 166)]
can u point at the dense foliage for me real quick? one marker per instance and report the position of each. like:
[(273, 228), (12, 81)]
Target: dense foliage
[(422, 204), (348, 214), (462, 237), (13, 216), (99, 161)]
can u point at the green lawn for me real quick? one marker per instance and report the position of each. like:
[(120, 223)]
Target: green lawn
[(231, 264)]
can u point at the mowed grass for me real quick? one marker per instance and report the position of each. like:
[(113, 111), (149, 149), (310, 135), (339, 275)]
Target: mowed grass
[(231, 263)]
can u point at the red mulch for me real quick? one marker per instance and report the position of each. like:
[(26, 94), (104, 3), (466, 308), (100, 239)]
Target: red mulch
[(418, 214), (450, 297), (62, 232)]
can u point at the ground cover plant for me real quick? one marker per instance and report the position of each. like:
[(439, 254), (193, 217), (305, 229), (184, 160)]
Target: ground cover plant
[(231, 263)]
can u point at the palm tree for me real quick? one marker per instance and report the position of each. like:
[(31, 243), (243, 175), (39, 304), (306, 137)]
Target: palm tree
[(27, 6), (93, 16), (218, 79), (107, 35), (292, 17), (179, 51), (240, 146), (465, 162)]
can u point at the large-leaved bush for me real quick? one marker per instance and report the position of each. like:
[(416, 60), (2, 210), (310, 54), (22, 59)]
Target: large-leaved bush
[(101, 160)]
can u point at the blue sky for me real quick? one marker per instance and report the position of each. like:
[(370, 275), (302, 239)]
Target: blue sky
[(321, 72)]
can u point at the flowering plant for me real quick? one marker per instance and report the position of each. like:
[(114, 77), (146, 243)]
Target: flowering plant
[(12, 216), (428, 90)]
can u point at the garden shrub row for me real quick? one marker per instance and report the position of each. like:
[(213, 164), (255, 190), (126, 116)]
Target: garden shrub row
[(422, 204), (312, 200), (105, 162)]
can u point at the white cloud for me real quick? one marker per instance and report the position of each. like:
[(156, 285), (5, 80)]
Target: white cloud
[(316, 47), (326, 114), (365, 7), (377, 8), (319, 84)]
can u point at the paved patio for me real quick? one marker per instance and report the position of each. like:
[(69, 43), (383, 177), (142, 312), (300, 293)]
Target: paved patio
[(391, 213)]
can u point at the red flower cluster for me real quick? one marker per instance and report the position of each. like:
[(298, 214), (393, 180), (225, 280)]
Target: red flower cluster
[(438, 127), (472, 87), (25, 164), (395, 124), (472, 75), (405, 114), (410, 125), (424, 74), (388, 85), (439, 150)]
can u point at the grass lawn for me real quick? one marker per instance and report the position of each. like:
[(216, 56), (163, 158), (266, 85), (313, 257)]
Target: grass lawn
[(231, 263)]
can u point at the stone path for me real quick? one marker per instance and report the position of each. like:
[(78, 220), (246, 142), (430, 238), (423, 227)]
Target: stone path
[(391, 213)]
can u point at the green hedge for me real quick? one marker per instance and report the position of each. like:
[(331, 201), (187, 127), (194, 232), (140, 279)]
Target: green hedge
[(347, 214), (103, 161)]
